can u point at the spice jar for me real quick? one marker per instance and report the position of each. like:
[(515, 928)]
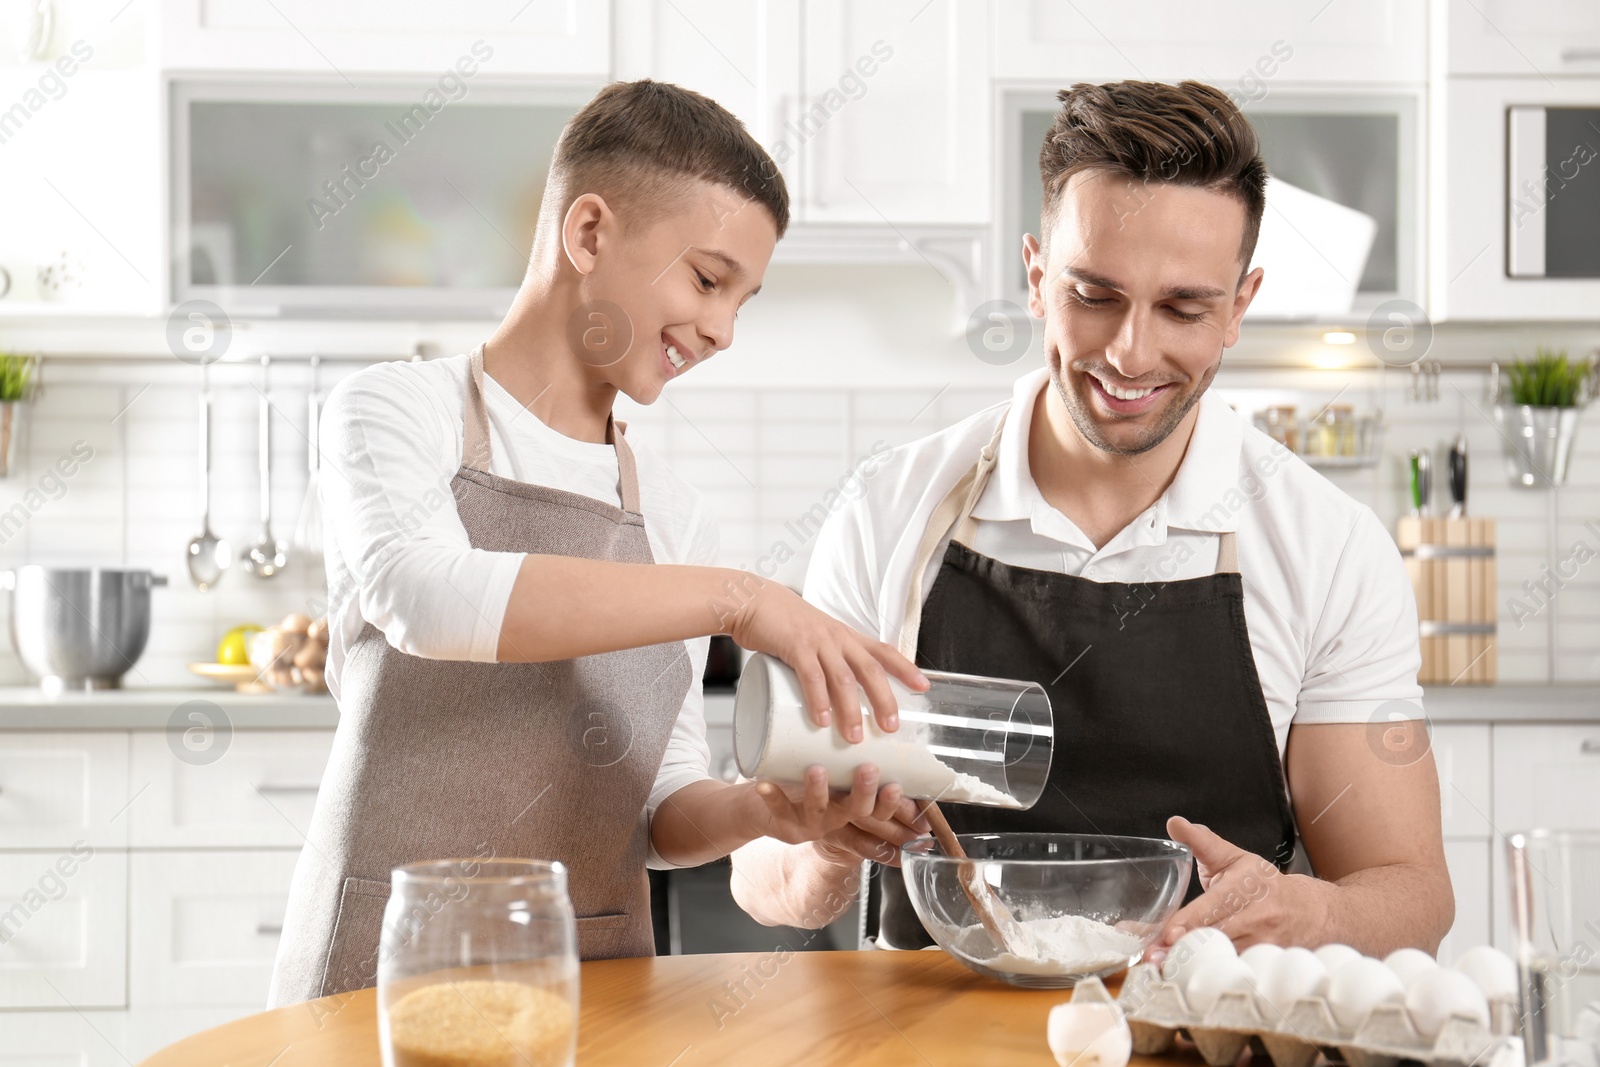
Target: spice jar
[(1277, 422)]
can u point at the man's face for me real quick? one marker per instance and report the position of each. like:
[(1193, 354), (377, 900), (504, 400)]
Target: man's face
[(678, 282), (1140, 293)]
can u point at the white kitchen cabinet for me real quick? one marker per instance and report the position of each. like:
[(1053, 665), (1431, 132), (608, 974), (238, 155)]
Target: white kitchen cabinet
[(1534, 38), (874, 113), (208, 925), (557, 38), (1237, 45), (63, 917), (66, 1039), (1546, 777), (1461, 754), (895, 116), (1473, 206), (258, 793), (1470, 867), (58, 789)]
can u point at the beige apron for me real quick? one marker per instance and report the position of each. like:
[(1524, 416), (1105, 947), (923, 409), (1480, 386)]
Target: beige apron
[(437, 759)]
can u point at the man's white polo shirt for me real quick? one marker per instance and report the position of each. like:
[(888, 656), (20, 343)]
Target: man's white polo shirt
[(1332, 619)]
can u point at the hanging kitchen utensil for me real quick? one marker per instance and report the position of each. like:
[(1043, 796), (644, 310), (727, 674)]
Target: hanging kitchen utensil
[(307, 538), (209, 555), (268, 555)]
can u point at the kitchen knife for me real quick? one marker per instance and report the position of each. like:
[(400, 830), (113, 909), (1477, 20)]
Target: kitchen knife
[(1458, 477), (1421, 481)]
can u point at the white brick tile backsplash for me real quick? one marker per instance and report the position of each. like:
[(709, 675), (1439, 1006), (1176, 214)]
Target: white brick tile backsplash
[(763, 459)]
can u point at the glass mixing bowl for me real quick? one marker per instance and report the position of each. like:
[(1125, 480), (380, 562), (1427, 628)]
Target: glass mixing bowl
[(1085, 905)]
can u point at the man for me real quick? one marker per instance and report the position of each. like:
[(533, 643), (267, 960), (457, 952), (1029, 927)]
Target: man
[(521, 599), (1229, 642)]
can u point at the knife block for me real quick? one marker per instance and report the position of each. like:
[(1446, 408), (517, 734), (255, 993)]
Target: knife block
[(1451, 562)]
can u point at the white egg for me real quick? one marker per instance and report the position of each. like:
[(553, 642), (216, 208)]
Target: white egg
[(1492, 969), (1336, 955), (1433, 996), (1260, 955), (1408, 963), (1295, 974), (1359, 985), (1214, 978), (1193, 950), (1089, 1035)]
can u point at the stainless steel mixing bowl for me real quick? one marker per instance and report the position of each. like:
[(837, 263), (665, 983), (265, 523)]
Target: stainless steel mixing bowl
[(79, 628)]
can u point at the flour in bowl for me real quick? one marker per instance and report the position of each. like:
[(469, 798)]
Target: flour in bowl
[(1066, 944)]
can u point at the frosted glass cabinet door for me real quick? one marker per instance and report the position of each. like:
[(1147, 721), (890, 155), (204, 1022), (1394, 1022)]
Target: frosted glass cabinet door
[(312, 194)]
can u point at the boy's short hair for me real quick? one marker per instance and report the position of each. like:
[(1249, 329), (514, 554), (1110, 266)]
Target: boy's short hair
[(1185, 134), (638, 143)]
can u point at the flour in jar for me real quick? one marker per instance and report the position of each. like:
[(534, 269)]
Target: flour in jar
[(903, 757), (1065, 944)]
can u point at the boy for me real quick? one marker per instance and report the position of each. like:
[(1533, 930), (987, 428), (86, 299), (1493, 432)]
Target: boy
[(517, 671)]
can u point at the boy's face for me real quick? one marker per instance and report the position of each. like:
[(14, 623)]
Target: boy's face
[(1140, 293), (678, 282)]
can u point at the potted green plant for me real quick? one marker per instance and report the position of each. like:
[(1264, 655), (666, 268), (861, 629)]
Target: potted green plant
[(1539, 418), (16, 388)]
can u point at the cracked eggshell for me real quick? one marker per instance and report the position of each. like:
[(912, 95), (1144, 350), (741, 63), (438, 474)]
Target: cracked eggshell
[(1358, 986), (1214, 978), (1089, 1035), (1433, 996), (1295, 974), (1194, 950), (1493, 970), (1409, 963)]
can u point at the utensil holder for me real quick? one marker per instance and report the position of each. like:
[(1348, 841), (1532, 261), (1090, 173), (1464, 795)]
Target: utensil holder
[(1537, 442)]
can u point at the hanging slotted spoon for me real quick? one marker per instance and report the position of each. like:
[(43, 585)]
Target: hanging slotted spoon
[(307, 539)]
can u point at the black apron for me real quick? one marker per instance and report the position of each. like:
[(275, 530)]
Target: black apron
[(1158, 709)]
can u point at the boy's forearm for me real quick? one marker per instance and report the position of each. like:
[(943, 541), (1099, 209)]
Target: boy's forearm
[(562, 607), (779, 884), (701, 822)]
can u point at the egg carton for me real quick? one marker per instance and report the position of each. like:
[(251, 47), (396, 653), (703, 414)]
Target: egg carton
[(1157, 1012)]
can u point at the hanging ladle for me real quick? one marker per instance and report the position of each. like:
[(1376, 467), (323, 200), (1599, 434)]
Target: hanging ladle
[(209, 555), (268, 555)]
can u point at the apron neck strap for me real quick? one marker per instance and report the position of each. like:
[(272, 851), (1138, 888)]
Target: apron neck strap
[(1227, 553), (475, 452), (953, 512)]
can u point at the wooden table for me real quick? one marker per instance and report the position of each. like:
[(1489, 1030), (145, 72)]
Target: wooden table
[(767, 1008)]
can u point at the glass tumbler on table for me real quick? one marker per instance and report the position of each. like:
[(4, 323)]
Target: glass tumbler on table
[(478, 966), (1555, 907)]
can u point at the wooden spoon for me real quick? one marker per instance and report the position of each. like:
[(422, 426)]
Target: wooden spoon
[(992, 911)]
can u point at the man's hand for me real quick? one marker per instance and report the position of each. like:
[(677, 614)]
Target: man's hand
[(828, 657), (1245, 897), (867, 822)]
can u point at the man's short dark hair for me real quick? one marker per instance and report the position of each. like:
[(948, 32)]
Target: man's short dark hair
[(1151, 132)]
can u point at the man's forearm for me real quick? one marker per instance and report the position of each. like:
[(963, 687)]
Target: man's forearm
[(780, 884), (1380, 909), (562, 607)]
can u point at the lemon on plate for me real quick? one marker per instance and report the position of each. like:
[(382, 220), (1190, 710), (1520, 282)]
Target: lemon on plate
[(231, 649)]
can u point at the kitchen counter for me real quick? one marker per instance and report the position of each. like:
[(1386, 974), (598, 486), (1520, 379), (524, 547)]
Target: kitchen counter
[(26, 708), (861, 1008)]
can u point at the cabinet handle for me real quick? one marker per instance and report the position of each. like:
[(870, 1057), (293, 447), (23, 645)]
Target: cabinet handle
[(269, 929), (1590, 746), (1580, 55), (287, 787)]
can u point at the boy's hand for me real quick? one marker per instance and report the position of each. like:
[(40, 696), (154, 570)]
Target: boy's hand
[(829, 658), (866, 822)]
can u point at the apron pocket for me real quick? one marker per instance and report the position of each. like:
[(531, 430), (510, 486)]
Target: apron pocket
[(618, 935), (353, 948)]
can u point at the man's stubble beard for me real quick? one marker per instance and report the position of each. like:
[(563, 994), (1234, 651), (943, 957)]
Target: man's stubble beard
[(1173, 413)]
